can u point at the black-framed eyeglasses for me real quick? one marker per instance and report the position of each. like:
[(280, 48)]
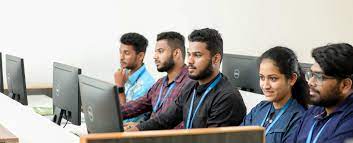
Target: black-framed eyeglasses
[(318, 76)]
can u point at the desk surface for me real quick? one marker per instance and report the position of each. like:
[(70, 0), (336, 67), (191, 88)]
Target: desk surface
[(7, 136), (29, 126)]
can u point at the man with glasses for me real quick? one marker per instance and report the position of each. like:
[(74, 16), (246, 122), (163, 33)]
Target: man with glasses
[(330, 80)]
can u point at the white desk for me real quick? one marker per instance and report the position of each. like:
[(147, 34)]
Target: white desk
[(251, 99), (29, 126), (45, 101)]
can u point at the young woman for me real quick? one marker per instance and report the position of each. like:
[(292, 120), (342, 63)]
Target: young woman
[(285, 88)]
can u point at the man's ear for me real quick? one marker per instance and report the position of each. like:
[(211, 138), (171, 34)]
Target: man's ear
[(140, 56), (176, 52), (216, 58), (346, 85)]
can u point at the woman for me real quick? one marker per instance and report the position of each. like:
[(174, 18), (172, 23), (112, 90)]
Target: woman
[(285, 88)]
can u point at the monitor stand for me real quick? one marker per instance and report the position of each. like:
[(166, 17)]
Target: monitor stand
[(17, 97), (59, 114)]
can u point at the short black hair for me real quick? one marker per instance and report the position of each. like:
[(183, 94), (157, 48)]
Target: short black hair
[(136, 40), (175, 40), (335, 60), (211, 37)]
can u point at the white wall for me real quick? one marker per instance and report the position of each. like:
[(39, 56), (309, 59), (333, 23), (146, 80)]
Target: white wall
[(84, 33)]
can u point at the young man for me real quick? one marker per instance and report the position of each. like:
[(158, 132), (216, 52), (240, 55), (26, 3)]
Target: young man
[(330, 80), (133, 80), (210, 101), (169, 57)]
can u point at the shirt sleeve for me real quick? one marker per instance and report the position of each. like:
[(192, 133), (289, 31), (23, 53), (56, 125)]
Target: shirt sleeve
[(291, 137), (247, 121), (228, 110), (137, 107), (292, 129), (343, 132), (166, 120)]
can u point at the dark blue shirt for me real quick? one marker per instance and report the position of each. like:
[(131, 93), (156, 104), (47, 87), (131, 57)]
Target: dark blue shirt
[(283, 128), (339, 129)]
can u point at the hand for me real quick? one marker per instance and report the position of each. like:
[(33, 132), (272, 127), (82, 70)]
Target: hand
[(120, 77), (130, 126)]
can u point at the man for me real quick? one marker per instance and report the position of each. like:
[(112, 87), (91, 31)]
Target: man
[(210, 101), (133, 80), (169, 57), (330, 80)]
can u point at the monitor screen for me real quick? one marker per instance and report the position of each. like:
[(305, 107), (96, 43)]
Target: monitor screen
[(1, 76), (305, 66), (242, 72), (66, 93), (100, 106), (16, 81)]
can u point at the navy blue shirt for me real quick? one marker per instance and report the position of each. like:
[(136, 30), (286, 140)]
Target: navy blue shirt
[(283, 128), (339, 129)]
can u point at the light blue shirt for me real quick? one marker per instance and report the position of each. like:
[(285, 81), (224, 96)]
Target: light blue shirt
[(136, 86)]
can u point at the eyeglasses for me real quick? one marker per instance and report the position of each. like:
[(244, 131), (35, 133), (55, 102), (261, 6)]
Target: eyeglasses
[(318, 77)]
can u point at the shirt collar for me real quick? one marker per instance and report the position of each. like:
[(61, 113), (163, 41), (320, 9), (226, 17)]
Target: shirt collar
[(202, 88), (135, 76), (183, 74)]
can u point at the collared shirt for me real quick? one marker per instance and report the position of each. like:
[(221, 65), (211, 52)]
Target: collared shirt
[(136, 86), (223, 106), (339, 129), (283, 128), (146, 103)]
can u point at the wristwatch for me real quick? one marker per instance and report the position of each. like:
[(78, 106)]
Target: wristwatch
[(121, 89)]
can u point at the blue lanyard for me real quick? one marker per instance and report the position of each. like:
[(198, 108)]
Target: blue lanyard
[(191, 118), (310, 135), (159, 102), (277, 117), (128, 90)]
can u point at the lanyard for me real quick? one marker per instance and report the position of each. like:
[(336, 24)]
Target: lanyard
[(159, 102), (281, 112), (310, 135), (140, 74), (191, 118)]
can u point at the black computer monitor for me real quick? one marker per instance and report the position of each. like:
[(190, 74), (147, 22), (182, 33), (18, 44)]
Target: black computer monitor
[(242, 72), (100, 106), (16, 81), (66, 94), (1, 76), (305, 66)]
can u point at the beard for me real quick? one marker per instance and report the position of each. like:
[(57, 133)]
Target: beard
[(169, 64), (330, 99), (130, 67), (204, 73)]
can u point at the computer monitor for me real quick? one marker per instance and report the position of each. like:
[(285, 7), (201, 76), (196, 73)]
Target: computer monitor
[(242, 72), (16, 81), (1, 76), (305, 66), (66, 94), (100, 106)]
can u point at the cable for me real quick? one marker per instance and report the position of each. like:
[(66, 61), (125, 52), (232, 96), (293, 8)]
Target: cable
[(67, 120)]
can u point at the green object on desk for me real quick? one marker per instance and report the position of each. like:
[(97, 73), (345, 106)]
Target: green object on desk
[(44, 111)]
